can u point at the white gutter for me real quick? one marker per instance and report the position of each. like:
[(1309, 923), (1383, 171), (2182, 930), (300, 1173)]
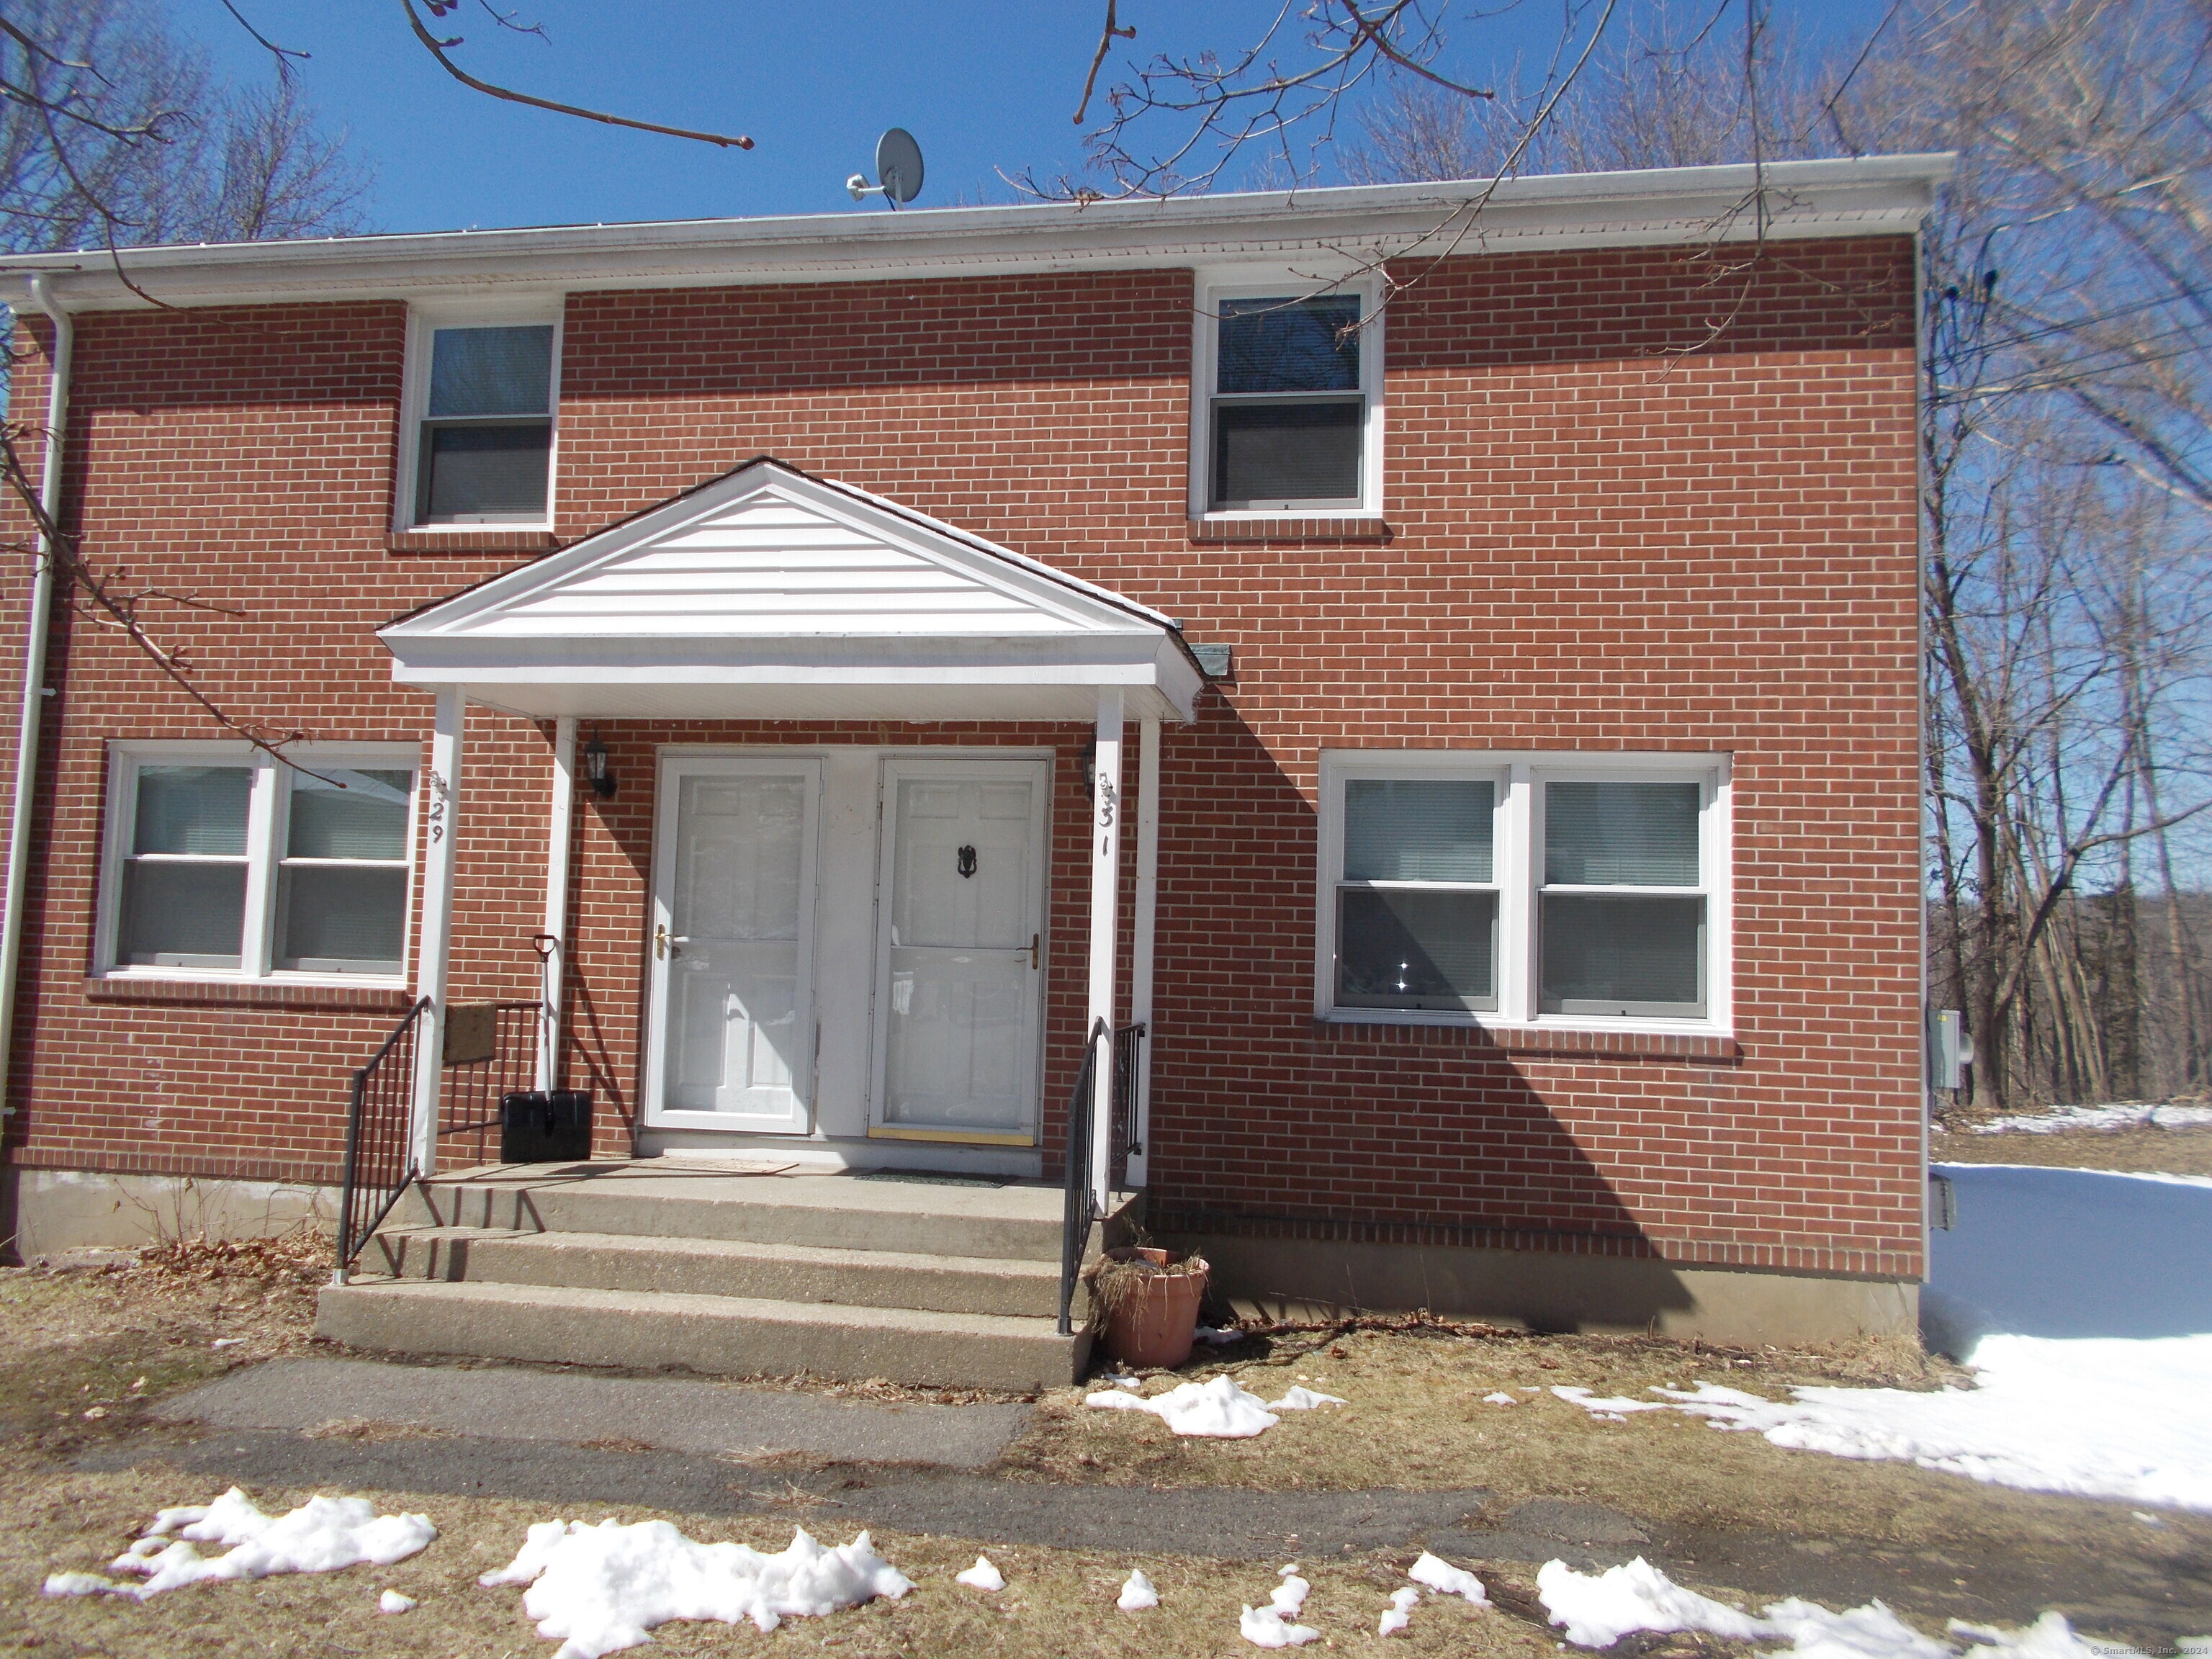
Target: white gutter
[(34, 676)]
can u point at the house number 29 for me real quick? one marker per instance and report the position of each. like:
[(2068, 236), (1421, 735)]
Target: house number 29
[(438, 793)]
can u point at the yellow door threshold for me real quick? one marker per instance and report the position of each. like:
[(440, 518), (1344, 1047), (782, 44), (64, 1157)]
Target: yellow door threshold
[(951, 1137)]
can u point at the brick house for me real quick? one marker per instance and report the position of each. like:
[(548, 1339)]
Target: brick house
[(810, 671)]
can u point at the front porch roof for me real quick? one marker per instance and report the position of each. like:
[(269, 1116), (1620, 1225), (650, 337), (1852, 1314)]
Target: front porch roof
[(767, 593)]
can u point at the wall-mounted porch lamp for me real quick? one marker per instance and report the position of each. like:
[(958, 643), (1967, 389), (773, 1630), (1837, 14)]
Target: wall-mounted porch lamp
[(596, 767)]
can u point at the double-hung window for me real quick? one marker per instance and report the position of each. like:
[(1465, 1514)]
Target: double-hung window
[(482, 393), (1288, 382), (1621, 917), (1416, 906), (1523, 889), (223, 862)]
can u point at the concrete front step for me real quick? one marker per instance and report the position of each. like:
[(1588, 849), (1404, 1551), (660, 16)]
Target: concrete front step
[(719, 1335), (730, 1267), (1020, 1221)]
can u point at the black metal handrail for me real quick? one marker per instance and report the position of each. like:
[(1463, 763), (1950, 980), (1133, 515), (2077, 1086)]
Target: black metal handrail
[(380, 1115), (379, 1160), (1129, 1045), (1081, 1209)]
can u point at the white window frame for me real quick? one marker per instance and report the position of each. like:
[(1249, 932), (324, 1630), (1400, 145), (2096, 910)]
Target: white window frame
[(1250, 282), (268, 816), (424, 322), (1517, 865)]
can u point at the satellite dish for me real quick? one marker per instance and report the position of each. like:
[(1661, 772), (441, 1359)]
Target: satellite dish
[(898, 170)]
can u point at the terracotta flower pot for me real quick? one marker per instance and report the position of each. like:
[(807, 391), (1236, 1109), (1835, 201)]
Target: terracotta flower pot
[(1154, 1321)]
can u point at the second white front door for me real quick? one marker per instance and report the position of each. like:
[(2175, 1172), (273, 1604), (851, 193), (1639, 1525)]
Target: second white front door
[(960, 953)]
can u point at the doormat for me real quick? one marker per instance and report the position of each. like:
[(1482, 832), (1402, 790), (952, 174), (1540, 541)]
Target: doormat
[(922, 1177)]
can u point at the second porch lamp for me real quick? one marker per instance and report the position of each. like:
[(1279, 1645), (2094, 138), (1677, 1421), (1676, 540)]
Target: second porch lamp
[(596, 769)]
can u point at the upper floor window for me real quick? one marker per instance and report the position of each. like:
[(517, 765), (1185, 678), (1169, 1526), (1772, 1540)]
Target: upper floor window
[(483, 395), (221, 860), (1287, 383)]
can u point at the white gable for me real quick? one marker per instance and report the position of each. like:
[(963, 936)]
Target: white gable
[(778, 556), (772, 594)]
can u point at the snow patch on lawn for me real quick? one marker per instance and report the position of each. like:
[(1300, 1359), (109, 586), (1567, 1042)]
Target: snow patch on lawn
[(1400, 1613), (1596, 1610), (1613, 1410), (1263, 1627), (322, 1536), (2093, 1418), (393, 1601), (1137, 1592), (1219, 1409), (597, 1589), (2124, 1117), (1446, 1579), (982, 1575)]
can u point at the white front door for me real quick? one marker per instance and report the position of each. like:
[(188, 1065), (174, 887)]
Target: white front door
[(960, 958), (732, 1039)]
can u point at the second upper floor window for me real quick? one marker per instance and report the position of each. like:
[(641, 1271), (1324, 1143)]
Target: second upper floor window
[(1287, 409), (483, 447)]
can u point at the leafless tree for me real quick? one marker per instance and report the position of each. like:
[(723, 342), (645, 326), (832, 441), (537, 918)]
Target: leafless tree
[(113, 132), (2065, 462)]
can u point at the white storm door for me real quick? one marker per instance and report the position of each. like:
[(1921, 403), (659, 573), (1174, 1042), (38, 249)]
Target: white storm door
[(960, 956), (733, 1038)]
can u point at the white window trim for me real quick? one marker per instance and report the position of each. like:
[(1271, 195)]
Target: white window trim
[(424, 321), (265, 816), (1517, 865), (1243, 282)]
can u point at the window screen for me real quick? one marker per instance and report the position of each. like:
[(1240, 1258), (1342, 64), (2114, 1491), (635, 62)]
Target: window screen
[(341, 885), (1289, 345), (183, 878), (1287, 417), (1629, 952), (1416, 918), (487, 437)]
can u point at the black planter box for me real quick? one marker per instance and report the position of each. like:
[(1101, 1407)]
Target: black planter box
[(538, 1126)]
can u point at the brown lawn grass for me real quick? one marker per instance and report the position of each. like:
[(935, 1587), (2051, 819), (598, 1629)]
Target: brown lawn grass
[(2150, 1151), (82, 1342)]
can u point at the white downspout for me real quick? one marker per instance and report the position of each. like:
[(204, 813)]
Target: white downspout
[(34, 676)]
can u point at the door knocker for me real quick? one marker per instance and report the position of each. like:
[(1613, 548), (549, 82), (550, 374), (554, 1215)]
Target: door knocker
[(966, 861)]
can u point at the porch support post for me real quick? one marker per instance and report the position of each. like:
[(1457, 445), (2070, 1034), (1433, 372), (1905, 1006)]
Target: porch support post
[(431, 956), (1105, 914), (1141, 965), (559, 835)]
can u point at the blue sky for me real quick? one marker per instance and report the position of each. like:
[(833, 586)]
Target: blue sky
[(986, 85)]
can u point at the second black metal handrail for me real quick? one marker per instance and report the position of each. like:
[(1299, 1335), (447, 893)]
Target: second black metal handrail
[(1080, 1209)]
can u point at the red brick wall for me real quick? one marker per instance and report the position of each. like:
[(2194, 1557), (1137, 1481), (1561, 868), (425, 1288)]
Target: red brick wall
[(1635, 501)]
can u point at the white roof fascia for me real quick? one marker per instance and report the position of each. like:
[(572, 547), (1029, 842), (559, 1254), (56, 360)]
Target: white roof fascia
[(1871, 196)]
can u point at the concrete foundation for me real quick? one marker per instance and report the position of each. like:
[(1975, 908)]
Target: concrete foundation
[(53, 1213), (1548, 1292)]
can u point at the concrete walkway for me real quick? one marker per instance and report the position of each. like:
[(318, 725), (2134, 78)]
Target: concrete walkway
[(624, 1412)]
